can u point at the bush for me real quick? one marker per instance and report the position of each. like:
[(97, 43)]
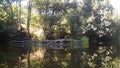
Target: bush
[(85, 42)]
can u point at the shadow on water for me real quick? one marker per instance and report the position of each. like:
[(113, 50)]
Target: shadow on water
[(11, 56), (8, 56), (16, 56)]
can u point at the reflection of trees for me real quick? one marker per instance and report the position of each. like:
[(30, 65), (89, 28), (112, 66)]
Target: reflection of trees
[(53, 59), (15, 55), (80, 58), (67, 58), (8, 56), (100, 57)]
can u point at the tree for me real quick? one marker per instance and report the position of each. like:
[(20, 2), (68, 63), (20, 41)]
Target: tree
[(100, 17), (28, 18), (19, 14), (74, 21), (53, 14), (7, 19)]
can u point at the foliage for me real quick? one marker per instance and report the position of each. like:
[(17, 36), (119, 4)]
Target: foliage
[(8, 20), (61, 19), (85, 42), (36, 64), (100, 16), (81, 17), (35, 21)]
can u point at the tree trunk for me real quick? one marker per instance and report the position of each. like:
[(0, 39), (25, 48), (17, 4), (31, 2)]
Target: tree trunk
[(28, 32), (28, 18), (19, 16)]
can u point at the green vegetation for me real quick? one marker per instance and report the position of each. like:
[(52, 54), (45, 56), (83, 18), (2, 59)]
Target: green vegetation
[(36, 64), (94, 22), (72, 43), (85, 42), (54, 19)]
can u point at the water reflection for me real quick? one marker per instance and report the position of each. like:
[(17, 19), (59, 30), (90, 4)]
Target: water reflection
[(8, 56), (34, 56)]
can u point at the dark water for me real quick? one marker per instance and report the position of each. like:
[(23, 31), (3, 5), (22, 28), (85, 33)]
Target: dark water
[(12, 56)]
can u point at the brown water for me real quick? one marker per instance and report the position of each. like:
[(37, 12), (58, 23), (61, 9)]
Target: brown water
[(36, 56)]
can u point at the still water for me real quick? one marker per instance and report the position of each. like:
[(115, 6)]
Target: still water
[(21, 55)]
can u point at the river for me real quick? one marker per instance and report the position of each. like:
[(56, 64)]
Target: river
[(32, 55)]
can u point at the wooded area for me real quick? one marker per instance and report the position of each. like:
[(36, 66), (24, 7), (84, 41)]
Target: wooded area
[(58, 19), (59, 34)]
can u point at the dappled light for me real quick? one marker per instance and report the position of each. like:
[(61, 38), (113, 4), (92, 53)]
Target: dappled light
[(59, 34)]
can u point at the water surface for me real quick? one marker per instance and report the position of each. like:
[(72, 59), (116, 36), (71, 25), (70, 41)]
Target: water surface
[(23, 55)]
